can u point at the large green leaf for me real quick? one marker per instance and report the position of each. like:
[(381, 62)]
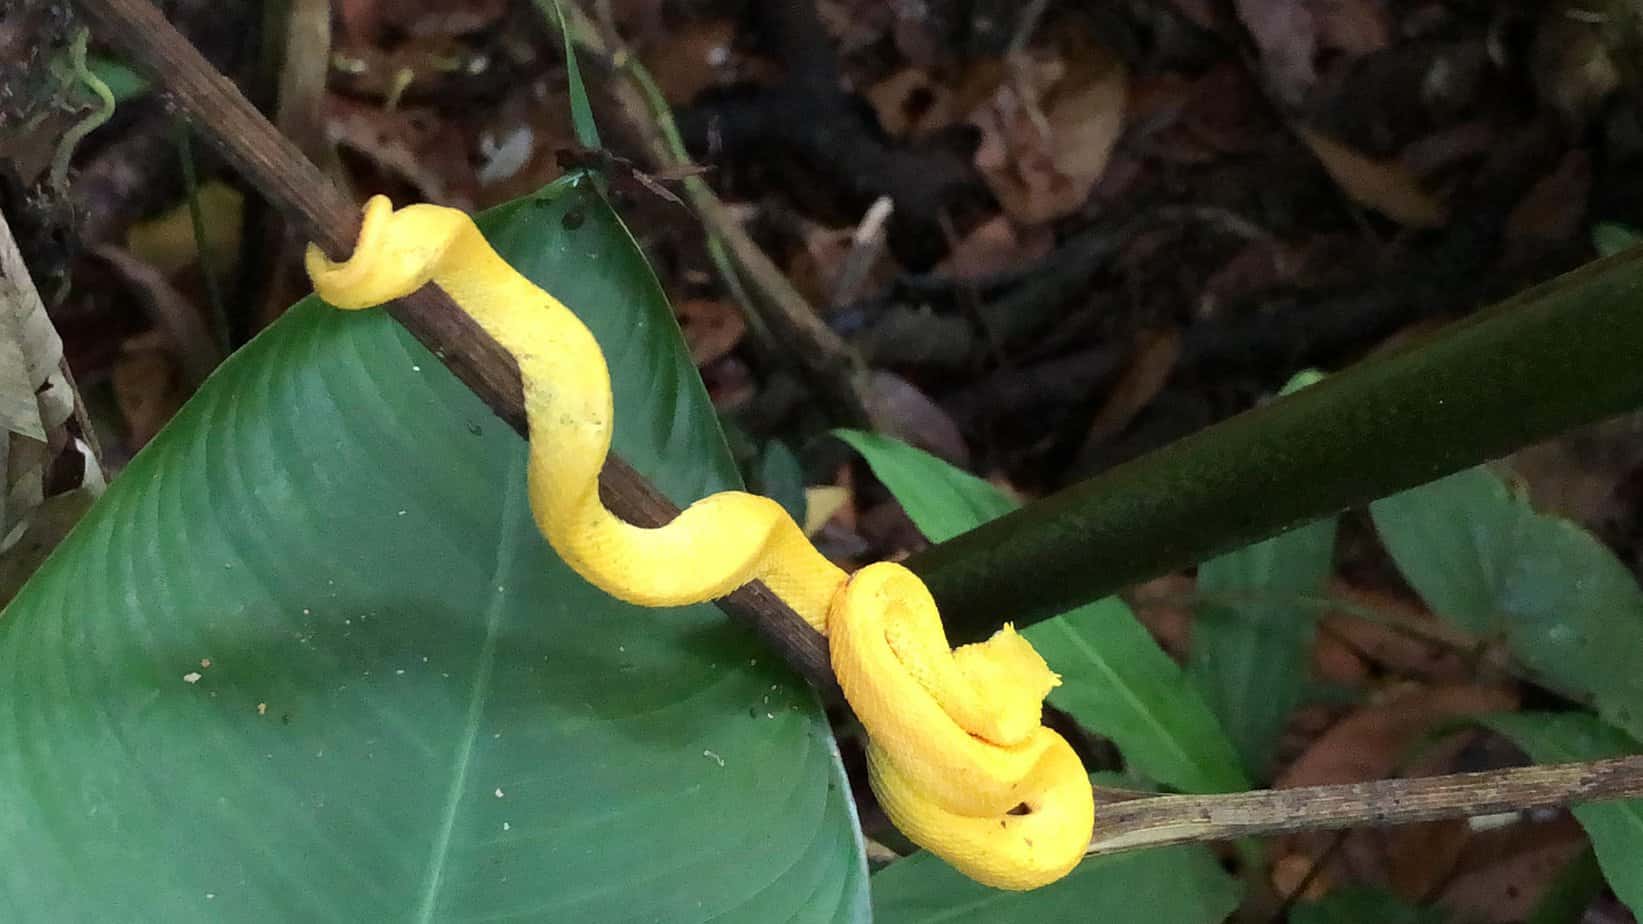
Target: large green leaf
[(1252, 634), (1482, 557), (1616, 828), (1115, 679), (1178, 885), (406, 707), (1363, 905)]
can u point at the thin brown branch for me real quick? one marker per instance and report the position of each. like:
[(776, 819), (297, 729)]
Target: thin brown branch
[(323, 215), (1161, 820)]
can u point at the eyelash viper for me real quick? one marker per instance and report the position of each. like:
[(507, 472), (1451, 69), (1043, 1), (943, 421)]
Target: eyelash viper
[(957, 752)]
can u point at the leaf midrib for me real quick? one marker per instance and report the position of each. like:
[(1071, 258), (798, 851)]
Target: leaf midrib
[(507, 548)]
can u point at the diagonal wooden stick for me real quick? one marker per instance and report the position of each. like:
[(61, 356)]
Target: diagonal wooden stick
[(291, 182), (1124, 821)]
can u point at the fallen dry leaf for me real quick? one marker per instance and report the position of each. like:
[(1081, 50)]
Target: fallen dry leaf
[(1385, 186), (416, 145), (1048, 135), (166, 242), (695, 56), (1286, 35), (147, 387), (187, 333), (1402, 639), (1505, 871), (996, 246), (1355, 27), (1375, 742), (1554, 209), (712, 328), (1164, 606), (821, 503), (37, 404), (911, 105), (1149, 369), (1372, 742), (899, 409)]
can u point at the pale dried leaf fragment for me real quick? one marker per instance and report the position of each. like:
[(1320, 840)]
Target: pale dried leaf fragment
[(898, 408), (1385, 186), (36, 402), (1287, 36), (1049, 133)]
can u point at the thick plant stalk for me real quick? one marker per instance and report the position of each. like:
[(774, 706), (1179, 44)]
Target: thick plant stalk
[(1563, 354)]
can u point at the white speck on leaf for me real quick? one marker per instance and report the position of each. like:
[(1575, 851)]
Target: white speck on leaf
[(714, 757), (192, 677), (499, 792)]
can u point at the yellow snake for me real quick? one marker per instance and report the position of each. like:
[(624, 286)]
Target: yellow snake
[(957, 752)]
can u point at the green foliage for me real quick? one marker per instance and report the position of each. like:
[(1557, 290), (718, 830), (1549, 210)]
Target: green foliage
[(1610, 238), (1362, 905), (1178, 885), (1252, 635), (1616, 828), (1481, 557), (1114, 678), (405, 706), (941, 500), (123, 83), (1252, 632), (777, 475), (581, 112)]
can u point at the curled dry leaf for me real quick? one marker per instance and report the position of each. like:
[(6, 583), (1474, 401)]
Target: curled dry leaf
[(37, 403), (821, 504), (1398, 637), (911, 105), (1507, 870), (184, 327), (695, 56), (147, 386), (364, 21), (712, 328), (1286, 35), (166, 242), (1047, 136), (995, 246), (1374, 741), (415, 145), (1554, 209), (1378, 741), (901, 410), (1385, 186), (1156, 353), (1353, 27)]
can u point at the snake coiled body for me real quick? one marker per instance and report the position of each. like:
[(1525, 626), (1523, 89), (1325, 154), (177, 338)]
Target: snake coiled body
[(957, 752)]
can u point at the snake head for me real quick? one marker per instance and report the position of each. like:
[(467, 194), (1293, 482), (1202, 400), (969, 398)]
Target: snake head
[(397, 252), (1016, 679)]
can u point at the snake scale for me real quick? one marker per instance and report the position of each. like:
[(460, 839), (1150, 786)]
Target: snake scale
[(957, 752)]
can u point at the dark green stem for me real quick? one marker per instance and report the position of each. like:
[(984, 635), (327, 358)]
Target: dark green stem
[(1563, 354)]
